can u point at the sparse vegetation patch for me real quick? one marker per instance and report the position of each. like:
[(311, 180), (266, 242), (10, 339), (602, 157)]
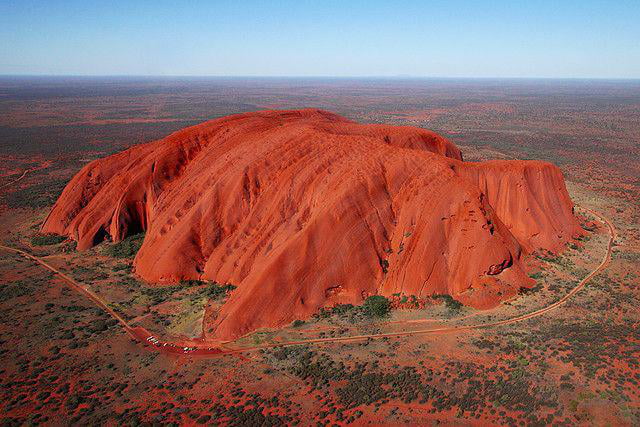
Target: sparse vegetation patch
[(47, 239), (126, 248)]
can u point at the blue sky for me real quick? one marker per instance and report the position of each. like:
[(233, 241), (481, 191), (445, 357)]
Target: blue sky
[(562, 38)]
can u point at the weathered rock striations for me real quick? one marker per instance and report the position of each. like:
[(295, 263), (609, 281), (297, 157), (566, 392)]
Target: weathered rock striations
[(306, 209)]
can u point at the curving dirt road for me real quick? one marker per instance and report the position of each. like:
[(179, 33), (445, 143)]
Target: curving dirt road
[(142, 335), (603, 264), (44, 166), (77, 286)]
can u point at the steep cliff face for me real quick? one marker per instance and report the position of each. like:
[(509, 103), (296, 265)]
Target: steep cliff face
[(531, 199), (305, 209)]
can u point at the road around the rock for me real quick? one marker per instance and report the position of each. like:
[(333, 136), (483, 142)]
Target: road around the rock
[(204, 348)]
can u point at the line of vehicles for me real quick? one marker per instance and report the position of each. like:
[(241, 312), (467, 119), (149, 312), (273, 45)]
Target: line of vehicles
[(155, 341)]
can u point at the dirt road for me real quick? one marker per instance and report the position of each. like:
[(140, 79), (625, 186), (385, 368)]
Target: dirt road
[(44, 166), (204, 348)]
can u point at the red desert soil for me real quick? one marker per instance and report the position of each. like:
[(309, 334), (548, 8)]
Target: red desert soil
[(306, 209)]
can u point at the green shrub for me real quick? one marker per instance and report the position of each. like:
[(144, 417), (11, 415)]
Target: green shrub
[(377, 306), (297, 323), (374, 306), (344, 311), (536, 276)]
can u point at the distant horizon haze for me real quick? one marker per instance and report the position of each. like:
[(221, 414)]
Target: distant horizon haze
[(313, 77)]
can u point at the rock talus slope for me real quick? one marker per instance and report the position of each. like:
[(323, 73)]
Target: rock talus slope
[(305, 209)]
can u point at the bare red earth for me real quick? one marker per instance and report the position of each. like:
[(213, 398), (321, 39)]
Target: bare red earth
[(306, 209)]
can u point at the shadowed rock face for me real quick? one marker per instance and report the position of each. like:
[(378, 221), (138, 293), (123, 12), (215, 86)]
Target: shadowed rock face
[(305, 209)]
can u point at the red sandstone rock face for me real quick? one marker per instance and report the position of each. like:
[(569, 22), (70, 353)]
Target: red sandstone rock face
[(305, 209)]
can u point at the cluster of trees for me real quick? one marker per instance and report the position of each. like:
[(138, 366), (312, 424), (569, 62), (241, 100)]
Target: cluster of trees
[(375, 306)]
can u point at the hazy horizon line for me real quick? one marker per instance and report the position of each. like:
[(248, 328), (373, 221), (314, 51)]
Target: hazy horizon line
[(283, 76)]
